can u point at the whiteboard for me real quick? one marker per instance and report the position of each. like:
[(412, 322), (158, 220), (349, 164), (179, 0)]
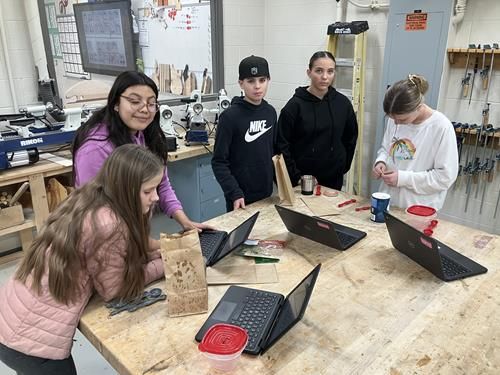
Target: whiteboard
[(178, 37)]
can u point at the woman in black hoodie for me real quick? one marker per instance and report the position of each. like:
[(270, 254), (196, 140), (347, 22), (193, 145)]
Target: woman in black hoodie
[(317, 128)]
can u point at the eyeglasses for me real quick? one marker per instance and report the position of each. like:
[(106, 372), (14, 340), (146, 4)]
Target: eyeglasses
[(137, 104)]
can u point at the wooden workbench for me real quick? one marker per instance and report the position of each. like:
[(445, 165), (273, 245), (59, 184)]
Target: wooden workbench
[(186, 152), (35, 175), (373, 310)]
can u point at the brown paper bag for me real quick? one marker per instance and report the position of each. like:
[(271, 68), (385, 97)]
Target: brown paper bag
[(285, 189), (186, 283)]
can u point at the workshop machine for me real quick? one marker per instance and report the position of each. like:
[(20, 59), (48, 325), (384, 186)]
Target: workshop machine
[(25, 135), (223, 103), (166, 121), (196, 125), (167, 126)]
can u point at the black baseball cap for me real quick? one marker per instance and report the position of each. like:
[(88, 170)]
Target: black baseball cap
[(253, 66)]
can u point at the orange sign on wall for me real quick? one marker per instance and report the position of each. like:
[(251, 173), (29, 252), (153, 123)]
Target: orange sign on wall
[(416, 21)]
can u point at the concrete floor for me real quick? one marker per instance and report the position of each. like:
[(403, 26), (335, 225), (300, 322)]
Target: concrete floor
[(87, 359)]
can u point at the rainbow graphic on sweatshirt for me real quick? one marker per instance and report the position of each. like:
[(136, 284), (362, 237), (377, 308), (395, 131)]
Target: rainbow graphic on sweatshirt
[(402, 149)]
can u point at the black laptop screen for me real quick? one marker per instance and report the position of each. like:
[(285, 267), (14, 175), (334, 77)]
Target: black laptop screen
[(238, 236), (293, 308)]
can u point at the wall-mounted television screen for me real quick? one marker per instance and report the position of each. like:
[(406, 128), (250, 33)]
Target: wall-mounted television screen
[(105, 36)]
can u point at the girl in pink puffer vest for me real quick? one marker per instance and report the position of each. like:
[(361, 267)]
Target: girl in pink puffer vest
[(97, 239)]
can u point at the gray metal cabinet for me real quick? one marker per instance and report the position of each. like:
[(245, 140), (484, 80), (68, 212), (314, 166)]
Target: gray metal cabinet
[(196, 187)]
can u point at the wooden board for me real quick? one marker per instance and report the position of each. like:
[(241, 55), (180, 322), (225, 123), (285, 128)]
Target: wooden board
[(175, 81), (11, 216), (458, 57), (242, 274)]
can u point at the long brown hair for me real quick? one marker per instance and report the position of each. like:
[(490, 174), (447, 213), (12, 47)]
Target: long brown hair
[(58, 248), (406, 95)]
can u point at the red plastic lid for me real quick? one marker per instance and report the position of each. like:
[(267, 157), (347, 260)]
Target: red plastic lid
[(224, 339), (421, 210)]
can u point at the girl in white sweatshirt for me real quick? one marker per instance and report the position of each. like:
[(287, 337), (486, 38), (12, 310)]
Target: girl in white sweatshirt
[(418, 159)]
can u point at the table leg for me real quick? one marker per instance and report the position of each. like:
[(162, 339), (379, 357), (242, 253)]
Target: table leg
[(26, 237)]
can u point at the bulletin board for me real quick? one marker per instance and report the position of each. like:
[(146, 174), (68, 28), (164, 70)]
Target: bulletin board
[(68, 40), (52, 29)]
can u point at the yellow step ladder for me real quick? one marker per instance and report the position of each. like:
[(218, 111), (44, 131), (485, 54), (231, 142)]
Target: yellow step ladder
[(347, 42)]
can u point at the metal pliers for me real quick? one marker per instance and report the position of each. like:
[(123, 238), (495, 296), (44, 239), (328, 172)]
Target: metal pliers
[(147, 298)]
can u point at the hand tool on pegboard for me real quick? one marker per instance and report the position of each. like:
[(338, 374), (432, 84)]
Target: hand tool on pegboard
[(484, 123), (474, 75), (461, 139), (482, 161), (458, 125), (473, 167), (490, 71), (466, 166), (470, 128), (466, 79), (489, 172), (497, 160), (496, 206), (484, 68)]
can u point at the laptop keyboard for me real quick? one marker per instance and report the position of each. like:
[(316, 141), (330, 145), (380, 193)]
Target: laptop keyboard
[(209, 241), (345, 239), (255, 314), (452, 268)]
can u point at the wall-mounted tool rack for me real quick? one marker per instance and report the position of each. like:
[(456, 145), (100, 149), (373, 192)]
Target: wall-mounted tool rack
[(458, 56)]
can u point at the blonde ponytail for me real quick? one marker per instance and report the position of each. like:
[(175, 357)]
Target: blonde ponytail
[(406, 95)]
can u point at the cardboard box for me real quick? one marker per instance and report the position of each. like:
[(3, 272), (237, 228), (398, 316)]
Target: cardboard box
[(11, 216)]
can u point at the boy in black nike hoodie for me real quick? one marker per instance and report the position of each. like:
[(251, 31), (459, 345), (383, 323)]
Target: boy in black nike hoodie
[(242, 159), (317, 128)]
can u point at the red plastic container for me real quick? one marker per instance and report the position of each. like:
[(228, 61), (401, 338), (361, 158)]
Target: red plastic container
[(420, 217), (223, 345)]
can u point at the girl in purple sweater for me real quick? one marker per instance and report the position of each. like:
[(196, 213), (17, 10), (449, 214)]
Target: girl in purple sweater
[(130, 116), (97, 239)]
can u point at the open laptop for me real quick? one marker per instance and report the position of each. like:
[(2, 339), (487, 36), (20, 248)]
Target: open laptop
[(216, 244), (320, 230), (435, 256), (266, 316)]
